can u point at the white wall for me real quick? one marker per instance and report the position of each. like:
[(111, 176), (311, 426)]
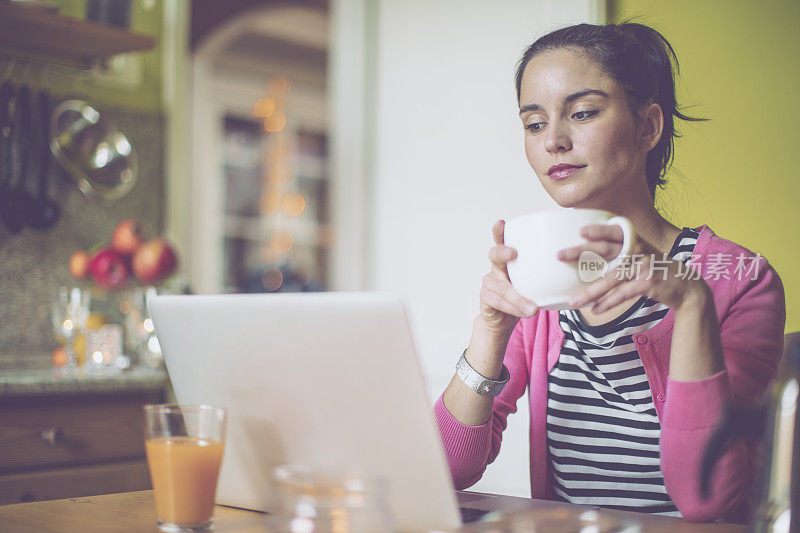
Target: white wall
[(448, 161)]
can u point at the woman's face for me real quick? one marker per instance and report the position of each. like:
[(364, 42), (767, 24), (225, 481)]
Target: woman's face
[(573, 114)]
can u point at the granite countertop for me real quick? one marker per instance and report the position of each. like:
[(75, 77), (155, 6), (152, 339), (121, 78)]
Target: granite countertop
[(53, 381)]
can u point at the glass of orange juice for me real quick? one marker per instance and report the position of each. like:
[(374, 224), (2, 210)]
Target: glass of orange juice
[(184, 446)]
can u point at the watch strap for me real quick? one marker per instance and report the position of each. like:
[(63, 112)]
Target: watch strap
[(478, 382)]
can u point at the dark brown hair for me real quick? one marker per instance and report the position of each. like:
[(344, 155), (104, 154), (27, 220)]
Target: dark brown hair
[(639, 58)]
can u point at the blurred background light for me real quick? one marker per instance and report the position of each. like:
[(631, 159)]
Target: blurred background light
[(264, 107), (272, 279), (293, 204), (275, 122)]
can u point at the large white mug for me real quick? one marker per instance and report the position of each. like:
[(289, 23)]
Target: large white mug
[(537, 273)]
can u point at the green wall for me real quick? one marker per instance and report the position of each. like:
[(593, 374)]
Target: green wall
[(740, 172), (146, 17)]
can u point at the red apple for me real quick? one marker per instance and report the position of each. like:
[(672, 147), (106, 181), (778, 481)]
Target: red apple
[(60, 357), (79, 264), (109, 269), (127, 236), (154, 261)]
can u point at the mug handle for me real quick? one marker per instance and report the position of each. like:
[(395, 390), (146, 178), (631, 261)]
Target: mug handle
[(628, 239)]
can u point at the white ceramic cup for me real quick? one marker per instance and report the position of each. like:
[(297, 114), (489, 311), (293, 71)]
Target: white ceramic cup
[(537, 273)]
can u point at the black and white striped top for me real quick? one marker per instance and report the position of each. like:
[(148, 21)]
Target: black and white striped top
[(602, 427)]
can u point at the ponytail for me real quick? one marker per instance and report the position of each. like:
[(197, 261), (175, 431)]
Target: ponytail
[(639, 58)]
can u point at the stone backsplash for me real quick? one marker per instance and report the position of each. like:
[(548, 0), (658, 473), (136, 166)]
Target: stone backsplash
[(34, 263)]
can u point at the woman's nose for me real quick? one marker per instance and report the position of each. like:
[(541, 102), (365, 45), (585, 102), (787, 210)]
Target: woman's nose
[(557, 139)]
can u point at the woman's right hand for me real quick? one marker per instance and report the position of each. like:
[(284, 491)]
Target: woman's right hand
[(501, 305)]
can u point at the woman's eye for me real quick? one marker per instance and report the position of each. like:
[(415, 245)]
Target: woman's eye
[(535, 127), (583, 115)]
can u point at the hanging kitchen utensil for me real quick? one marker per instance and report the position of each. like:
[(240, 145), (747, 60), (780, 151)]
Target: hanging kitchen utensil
[(98, 156), (13, 200), (6, 95), (44, 212), (22, 150)]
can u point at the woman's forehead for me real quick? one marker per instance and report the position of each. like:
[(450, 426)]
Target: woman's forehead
[(551, 75)]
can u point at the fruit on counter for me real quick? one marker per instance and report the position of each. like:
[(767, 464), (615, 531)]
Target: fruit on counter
[(130, 257), (154, 261), (79, 347), (109, 269), (127, 236), (95, 320), (79, 264), (60, 356)]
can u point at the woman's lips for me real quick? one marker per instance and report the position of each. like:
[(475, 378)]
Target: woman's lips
[(559, 172)]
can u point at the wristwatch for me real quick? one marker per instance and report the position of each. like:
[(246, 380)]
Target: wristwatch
[(479, 383)]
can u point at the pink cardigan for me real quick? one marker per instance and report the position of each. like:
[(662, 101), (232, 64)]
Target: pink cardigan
[(751, 315)]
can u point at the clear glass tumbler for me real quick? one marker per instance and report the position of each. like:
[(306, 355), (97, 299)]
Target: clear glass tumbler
[(70, 309), (184, 446), (104, 350), (331, 501)]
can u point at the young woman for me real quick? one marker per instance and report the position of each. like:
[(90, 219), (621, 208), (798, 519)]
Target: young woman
[(627, 386)]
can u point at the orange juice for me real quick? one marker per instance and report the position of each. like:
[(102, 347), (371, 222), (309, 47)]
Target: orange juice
[(184, 472)]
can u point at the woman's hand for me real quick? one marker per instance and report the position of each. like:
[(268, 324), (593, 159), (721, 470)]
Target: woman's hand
[(501, 305), (650, 274)]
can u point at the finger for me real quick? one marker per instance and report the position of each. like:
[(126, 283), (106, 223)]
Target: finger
[(495, 301), (500, 255), (497, 231), (606, 249), (608, 232), (597, 289), (520, 305), (623, 292)]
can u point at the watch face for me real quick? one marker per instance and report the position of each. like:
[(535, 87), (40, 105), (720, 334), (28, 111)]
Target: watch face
[(485, 388)]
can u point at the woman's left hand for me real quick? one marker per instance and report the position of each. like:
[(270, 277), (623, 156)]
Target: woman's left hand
[(648, 273)]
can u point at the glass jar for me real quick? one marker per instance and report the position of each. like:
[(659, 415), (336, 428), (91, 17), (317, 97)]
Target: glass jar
[(330, 500), (127, 309), (140, 337)]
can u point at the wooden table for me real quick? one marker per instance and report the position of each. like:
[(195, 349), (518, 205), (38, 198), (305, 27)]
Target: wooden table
[(134, 512)]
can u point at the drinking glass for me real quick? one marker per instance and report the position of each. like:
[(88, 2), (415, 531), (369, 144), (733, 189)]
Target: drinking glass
[(104, 350), (141, 342), (69, 311), (184, 446), (330, 500)]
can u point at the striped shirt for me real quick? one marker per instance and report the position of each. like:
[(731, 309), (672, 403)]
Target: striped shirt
[(602, 426)]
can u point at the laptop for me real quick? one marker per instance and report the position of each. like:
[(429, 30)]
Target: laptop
[(323, 379)]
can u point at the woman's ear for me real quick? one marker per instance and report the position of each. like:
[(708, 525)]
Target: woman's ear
[(652, 126)]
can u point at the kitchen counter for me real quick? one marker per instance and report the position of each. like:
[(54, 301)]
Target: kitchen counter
[(52, 381), (64, 436)]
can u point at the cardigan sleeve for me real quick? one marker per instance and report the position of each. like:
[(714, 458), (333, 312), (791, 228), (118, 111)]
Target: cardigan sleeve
[(751, 331), (470, 448)]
